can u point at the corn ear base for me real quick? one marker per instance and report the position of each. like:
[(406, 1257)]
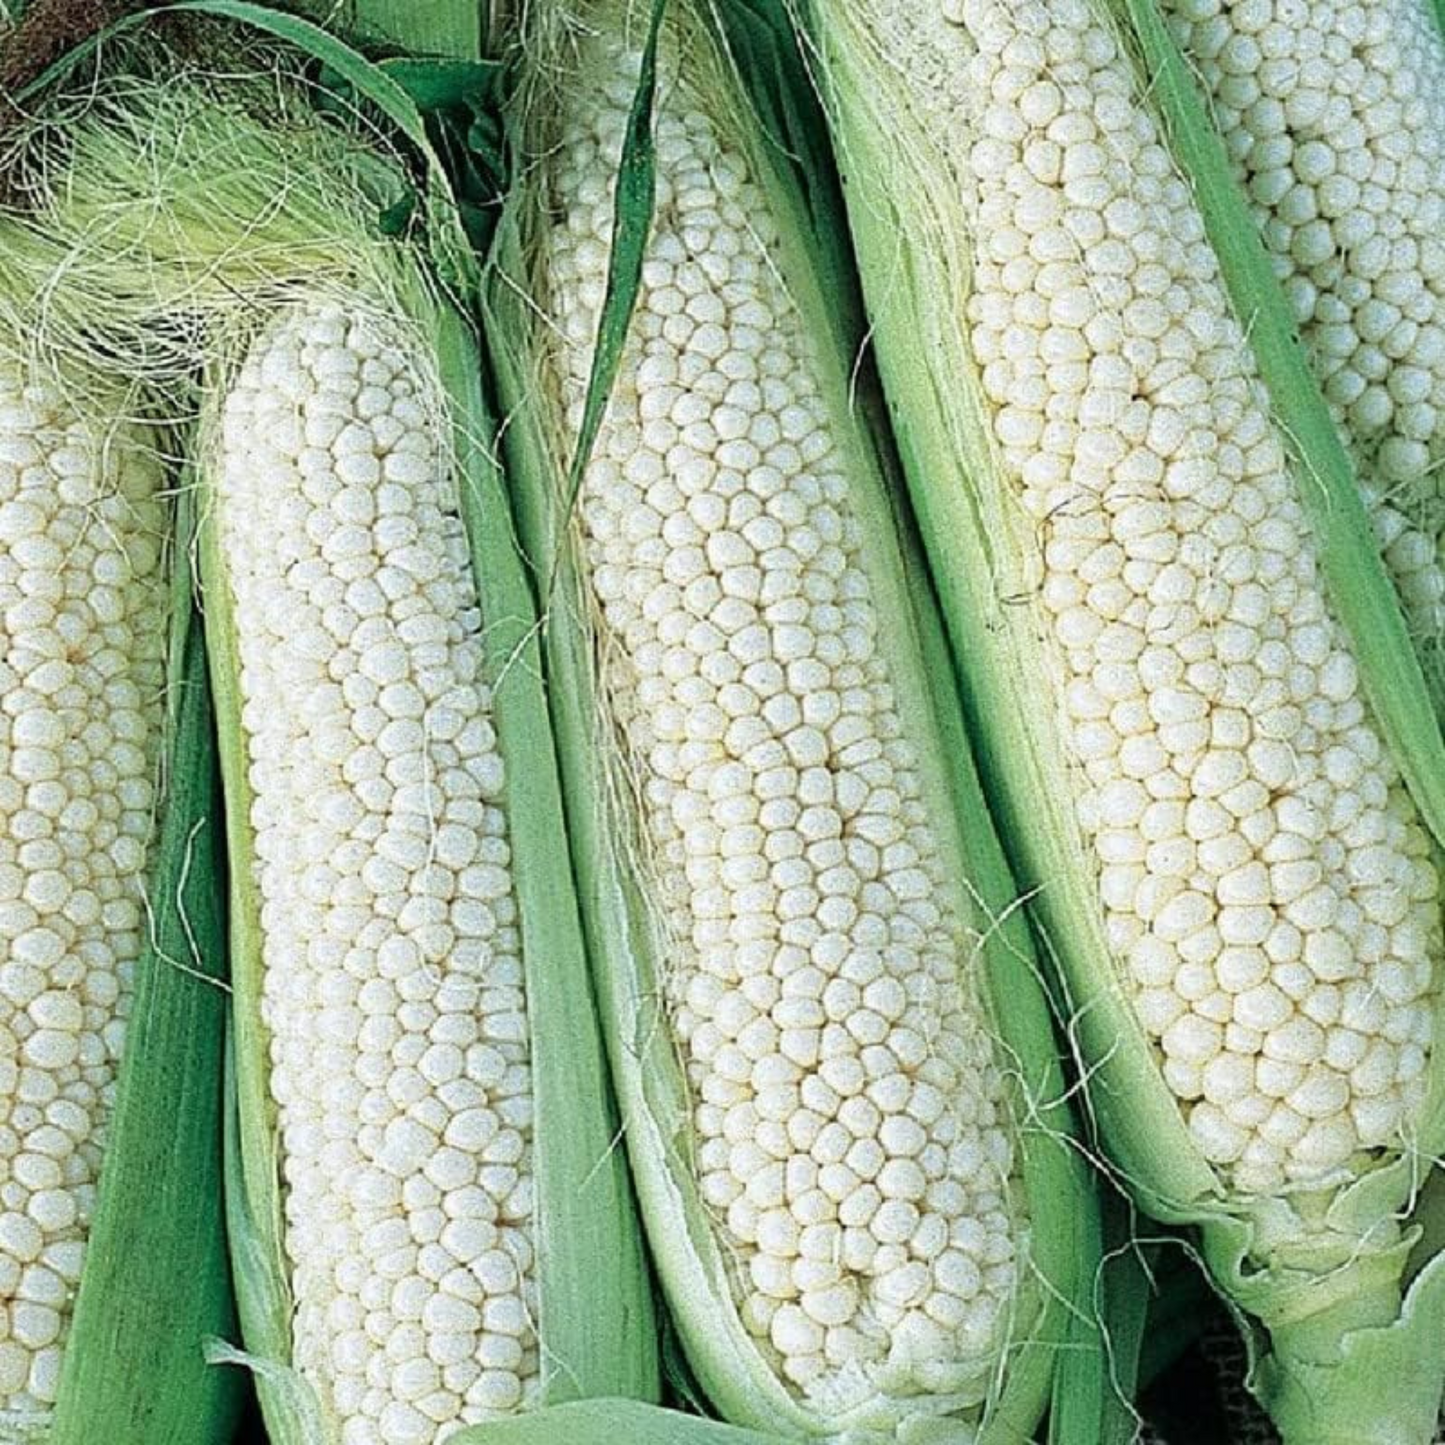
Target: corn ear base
[(623, 928), (156, 1283), (1330, 1294)]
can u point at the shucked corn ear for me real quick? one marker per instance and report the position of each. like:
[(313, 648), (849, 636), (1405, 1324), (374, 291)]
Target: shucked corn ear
[(431, 1221), (1332, 117), (839, 1089), (110, 1047), (1178, 729)]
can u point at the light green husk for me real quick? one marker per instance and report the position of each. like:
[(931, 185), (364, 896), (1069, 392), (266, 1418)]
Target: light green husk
[(1322, 1272), (247, 200), (545, 466)]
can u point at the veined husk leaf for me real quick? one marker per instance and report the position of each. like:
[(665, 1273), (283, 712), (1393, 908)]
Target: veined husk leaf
[(545, 466), (603, 1422), (252, 202), (1321, 1270)]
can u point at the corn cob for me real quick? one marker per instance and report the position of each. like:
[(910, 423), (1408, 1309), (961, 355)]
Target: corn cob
[(849, 1207), (1330, 116), (430, 1225), (1180, 732)]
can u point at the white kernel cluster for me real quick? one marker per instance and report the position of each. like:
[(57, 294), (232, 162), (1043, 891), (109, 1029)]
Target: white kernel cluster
[(1334, 114), (393, 985), (83, 604), (852, 1139), (1267, 886)]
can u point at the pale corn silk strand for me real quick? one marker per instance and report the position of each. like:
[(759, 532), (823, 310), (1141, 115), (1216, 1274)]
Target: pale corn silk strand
[(852, 1141), (1266, 883), (1334, 115), (83, 606), (393, 977)]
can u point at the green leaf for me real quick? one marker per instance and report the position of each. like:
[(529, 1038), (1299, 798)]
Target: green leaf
[(452, 28), (610, 1422), (634, 197), (156, 1283), (443, 84), (1104, 1378), (597, 1324)]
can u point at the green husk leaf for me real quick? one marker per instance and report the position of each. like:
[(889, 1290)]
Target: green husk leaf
[(1182, 1297), (1154, 1301), (438, 85), (597, 1323), (1329, 1392), (632, 223), (605, 1422), (1122, 1289), (253, 1175), (156, 1282), (453, 28), (621, 925)]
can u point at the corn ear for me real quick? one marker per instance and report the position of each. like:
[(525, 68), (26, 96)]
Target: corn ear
[(1362, 593), (1353, 240), (639, 942), (1319, 1260), (114, 1010)]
